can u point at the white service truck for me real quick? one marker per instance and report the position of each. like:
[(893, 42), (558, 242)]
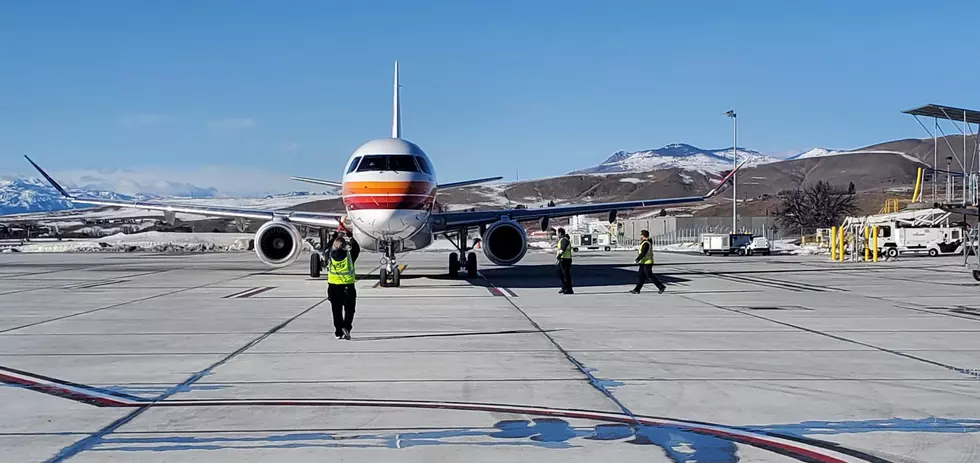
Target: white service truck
[(743, 244), (594, 241), (934, 241)]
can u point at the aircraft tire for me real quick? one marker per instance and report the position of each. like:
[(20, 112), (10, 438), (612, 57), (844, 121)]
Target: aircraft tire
[(316, 264), (471, 265), (396, 277), (384, 278), (453, 265)]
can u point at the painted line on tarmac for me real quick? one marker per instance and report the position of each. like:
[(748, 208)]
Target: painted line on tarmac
[(255, 292), (144, 405), (975, 373), (799, 448), (113, 306), (239, 293)]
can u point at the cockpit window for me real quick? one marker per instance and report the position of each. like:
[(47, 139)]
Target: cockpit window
[(402, 164), (373, 163), (380, 162), (423, 165), (353, 164)]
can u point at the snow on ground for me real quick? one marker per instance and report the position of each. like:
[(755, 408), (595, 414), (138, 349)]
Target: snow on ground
[(687, 179), (148, 242), (630, 180)]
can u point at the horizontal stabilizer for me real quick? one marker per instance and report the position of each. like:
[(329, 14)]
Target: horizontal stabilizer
[(447, 186), (318, 181)]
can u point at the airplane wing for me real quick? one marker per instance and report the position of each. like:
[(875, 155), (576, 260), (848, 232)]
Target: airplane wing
[(318, 181), (313, 219), (454, 220), (451, 185)]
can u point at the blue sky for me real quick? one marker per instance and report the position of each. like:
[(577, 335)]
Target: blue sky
[(262, 90)]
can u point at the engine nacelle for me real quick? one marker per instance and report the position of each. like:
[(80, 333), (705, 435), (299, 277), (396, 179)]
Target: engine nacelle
[(278, 243), (504, 242)]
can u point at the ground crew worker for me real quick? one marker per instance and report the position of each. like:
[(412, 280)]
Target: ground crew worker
[(340, 283), (645, 259), (564, 256)]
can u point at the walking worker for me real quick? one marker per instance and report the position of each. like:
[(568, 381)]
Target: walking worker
[(564, 256), (645, 259), (340, 283)]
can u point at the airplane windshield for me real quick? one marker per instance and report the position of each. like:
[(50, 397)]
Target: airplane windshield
[(402, 164), (373, 163), (353, 164), (423, 165), (381, 162)]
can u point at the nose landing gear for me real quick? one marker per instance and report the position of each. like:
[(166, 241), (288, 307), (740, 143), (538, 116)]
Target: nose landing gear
[(454, 259), (390, 273)]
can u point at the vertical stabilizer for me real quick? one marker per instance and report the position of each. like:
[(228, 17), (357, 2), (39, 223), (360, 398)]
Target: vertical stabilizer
[(396, 123)]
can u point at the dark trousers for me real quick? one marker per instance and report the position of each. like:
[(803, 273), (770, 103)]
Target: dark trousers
[(342, 301), (565, 274), (646, 271)]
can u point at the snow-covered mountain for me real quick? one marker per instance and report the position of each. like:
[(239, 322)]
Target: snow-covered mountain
[(677, 155), (815, 153), (28, 194)]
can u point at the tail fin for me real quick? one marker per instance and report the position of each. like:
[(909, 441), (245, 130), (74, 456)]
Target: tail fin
[(396, 123)]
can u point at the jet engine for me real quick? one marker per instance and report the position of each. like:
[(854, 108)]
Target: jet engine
[(278, 243), (504, 242)]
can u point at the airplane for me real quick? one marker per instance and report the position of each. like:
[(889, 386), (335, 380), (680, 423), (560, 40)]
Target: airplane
[(389, 189)]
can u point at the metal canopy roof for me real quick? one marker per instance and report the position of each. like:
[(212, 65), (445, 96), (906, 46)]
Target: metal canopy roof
[(946, 112)]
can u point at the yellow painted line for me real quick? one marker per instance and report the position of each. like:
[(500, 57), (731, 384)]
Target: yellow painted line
[(401, 268)]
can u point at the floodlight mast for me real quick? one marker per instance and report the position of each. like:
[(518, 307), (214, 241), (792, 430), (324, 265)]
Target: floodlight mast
[(731, 113)]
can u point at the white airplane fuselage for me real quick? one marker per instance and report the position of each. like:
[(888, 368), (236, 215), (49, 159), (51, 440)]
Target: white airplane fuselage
[(389, 188)]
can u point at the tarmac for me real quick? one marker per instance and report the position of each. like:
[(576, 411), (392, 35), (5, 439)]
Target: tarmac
[(214, 357)]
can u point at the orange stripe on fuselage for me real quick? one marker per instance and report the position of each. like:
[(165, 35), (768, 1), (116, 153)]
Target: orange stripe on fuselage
[(389, 195), (388, 188)]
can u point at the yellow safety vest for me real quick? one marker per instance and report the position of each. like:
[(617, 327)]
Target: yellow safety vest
[(567, 254), (648, 258), (341, 272)]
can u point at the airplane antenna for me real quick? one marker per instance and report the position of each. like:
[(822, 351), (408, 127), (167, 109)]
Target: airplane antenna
[(396, 123)]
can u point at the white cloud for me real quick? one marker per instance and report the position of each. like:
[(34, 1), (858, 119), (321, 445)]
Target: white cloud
[(232, 123), (144, 120), (293, 146)]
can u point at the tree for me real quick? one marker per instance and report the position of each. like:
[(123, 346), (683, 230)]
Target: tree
[(820, 205), (850, 188)]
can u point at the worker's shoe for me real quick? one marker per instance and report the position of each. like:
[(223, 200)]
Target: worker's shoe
[(561, 291), (633, 291), (347, 334), (661, 289)]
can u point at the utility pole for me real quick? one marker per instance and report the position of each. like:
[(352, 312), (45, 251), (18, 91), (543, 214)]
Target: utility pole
[(731, 114)]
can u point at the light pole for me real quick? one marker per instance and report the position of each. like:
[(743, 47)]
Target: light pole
[(731, 114)]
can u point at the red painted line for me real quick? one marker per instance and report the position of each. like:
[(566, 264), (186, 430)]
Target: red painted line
[(86, 394), (493, 290)]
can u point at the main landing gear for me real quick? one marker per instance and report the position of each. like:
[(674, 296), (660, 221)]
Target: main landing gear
[(390, 273), (454, 262), (318, 259)]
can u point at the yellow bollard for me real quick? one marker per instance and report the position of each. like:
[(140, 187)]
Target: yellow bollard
[(840, 245), (833, 243), (867, 252), (874, 244)]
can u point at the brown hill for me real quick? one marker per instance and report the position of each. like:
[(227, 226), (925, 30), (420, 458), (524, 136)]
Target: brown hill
[(876, 176)]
